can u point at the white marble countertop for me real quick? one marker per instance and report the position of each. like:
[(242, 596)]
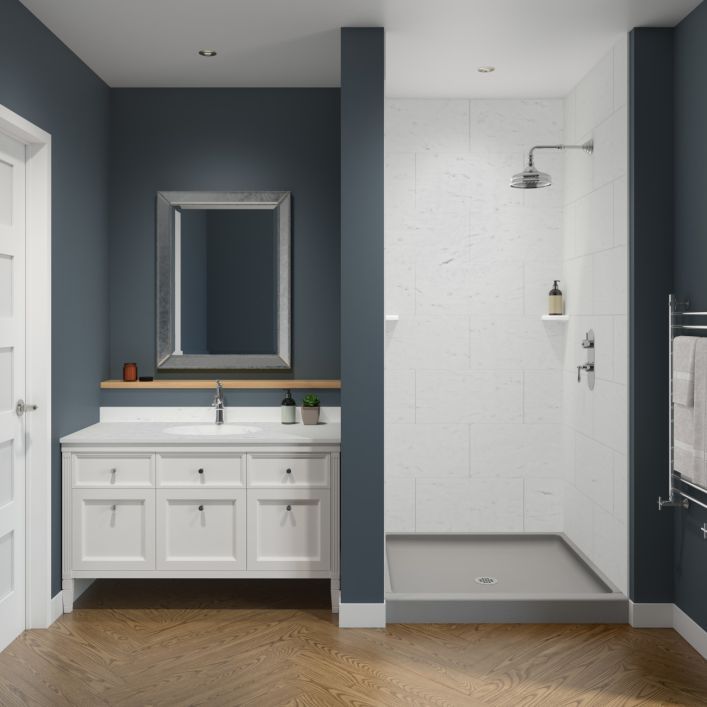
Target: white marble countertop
[(156, 433)]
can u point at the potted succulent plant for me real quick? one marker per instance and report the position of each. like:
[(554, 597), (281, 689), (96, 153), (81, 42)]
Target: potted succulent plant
[(310, 410)]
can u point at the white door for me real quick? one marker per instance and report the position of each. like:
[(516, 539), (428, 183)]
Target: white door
[(12, 389)]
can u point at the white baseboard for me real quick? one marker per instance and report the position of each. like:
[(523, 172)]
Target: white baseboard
[(669, 616), (691, 631), (650, 615), (361, 615), (57, 608)]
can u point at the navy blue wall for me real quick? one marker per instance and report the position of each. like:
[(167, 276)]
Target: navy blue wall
[(650, 274), (47, 84), (690, 265), (224, 139), (362, 538)]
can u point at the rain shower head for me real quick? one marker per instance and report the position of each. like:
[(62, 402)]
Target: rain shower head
[(532, 178)]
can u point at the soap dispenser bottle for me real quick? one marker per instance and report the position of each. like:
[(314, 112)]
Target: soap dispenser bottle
[(288, 410), (555, 305)]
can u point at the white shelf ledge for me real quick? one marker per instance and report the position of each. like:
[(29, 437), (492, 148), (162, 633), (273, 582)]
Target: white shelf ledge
[(392, 317), (555, 317)]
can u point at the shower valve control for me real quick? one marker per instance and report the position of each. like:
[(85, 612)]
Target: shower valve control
[(588, 367)]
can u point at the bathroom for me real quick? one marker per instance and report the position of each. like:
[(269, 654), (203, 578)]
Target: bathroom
[(423, 420)]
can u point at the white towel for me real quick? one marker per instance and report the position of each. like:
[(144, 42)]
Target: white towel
[(684, 370), (690, 425), (684, 460)]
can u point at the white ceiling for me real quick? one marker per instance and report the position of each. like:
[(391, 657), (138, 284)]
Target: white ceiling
[(540, 47)]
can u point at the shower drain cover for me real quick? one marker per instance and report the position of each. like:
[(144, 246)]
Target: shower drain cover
[(486, 580)]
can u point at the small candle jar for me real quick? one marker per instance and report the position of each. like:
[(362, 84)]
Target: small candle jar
[(130, 372)]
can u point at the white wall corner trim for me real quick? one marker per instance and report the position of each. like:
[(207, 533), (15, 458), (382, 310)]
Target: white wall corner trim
[(650, 615), (39, 603), (667, 615), (691, 631), (57, 608), (361, 615)]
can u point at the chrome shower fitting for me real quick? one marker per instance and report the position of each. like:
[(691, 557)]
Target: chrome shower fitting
[(588, 367), (531, 178)]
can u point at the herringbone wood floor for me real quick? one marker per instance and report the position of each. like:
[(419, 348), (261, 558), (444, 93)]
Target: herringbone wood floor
[(275, 643)]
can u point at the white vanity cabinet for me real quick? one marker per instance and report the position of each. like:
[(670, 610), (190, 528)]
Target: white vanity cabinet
[(220, 510)]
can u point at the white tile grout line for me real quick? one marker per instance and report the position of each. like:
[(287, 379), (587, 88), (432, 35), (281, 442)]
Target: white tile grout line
[(593, 190), (414, 505)]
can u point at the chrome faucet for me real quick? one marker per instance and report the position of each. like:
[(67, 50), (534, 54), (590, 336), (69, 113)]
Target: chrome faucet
[(218, 403)]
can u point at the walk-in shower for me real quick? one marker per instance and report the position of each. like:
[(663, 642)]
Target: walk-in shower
[(506, 480), (532, 178)]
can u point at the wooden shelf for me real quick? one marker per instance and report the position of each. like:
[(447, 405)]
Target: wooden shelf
[(163, 384)]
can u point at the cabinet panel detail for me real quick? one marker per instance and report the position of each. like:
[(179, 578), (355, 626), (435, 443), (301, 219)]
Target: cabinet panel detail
[(113, 529), (96, 470), (304, 470), (288, 529), (204, 529), (201, 470)]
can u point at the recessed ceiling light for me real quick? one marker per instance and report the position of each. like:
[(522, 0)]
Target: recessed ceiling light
[(486, 69), (207, 52)]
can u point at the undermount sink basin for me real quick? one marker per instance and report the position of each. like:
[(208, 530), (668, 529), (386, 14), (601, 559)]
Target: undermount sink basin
[(212, 430)]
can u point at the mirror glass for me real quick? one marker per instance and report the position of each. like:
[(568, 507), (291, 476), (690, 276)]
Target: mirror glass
[(223, 280), (226, 290)]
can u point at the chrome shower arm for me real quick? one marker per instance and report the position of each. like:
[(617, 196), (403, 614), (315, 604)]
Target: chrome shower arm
[(588, 147)]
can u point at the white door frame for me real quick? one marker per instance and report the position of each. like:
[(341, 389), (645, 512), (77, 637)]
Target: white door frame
[(38, 470)]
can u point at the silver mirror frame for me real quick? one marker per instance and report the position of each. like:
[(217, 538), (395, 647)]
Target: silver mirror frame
[(167, 202)]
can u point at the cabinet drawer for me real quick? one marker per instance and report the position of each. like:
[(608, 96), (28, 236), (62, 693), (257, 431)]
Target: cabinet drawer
[(295, 470), (201, 530), (201, 470), (113, 529), (288, 529), (112, 470)]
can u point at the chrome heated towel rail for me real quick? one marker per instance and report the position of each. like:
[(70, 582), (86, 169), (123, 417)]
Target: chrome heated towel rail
[(681, 492)]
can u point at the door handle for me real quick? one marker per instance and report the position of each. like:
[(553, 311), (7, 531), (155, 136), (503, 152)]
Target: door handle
[(22, 407)]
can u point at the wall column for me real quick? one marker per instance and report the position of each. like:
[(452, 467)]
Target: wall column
[(362, 328)]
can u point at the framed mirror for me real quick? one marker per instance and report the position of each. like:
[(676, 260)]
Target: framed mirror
[(223, 280)]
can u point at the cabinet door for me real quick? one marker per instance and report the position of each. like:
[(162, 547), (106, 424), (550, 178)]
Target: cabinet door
[(293, 470), (201, 470), (95, 470), (113, 529), (288, 529), (201, 529)]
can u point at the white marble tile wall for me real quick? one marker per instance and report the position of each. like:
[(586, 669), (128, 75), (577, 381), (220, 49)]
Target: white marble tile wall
[(595, 280), (474, 378)]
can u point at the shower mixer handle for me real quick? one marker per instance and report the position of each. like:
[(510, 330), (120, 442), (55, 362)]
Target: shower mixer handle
[(588, 367)]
